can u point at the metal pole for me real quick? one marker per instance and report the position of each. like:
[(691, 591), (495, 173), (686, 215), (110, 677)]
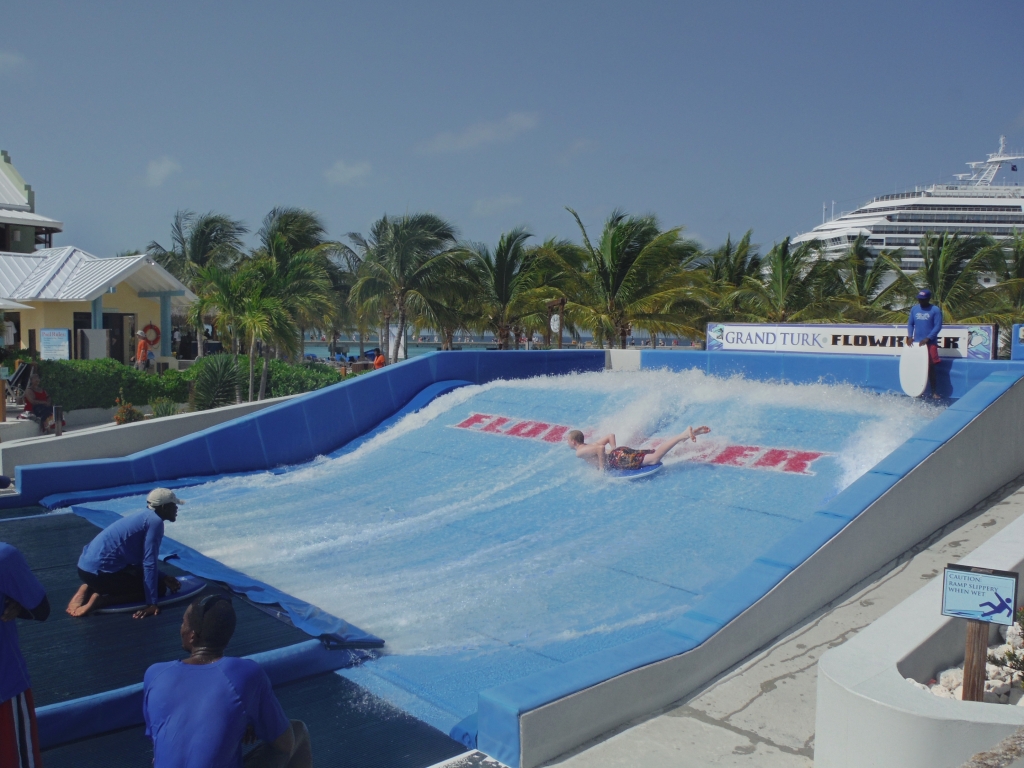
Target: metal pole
[(58, 420)]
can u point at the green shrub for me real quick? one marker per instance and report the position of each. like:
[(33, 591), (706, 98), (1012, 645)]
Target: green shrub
[(163, 406), (76, 384), (217, 381)]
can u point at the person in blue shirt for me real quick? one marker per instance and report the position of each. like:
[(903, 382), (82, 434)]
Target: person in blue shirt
[(21, 597), (121, 565), (923, 327), (200, 711)]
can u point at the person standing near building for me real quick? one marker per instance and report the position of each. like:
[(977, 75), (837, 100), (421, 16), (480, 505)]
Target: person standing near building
[(21, 597), (923, 328), (141, 351)]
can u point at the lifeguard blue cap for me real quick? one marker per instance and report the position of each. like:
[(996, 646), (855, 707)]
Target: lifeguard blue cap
[(925, 294)]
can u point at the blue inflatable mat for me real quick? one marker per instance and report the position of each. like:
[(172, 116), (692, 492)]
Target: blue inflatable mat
[(634, 474), (189, 586), (335, 632)]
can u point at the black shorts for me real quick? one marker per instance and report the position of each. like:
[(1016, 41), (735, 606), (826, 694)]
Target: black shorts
[(127, 583)]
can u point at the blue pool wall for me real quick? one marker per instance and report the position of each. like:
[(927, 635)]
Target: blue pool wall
[(320, 422), (295, 431)]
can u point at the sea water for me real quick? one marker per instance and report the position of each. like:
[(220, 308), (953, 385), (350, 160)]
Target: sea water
[(482, 549)]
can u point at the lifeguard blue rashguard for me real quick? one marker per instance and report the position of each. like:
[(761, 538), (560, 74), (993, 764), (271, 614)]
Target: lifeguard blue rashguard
[(133, 540), (925, 324), (18, 583), (197, 714)]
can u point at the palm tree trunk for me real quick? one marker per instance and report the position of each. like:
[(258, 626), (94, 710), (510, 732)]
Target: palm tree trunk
[(252, 365), (362, 344), (200, 338), (399, 336), (263, 376), (385, 336)]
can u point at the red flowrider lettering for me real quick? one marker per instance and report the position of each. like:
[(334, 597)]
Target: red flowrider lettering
[(797, 462), (707, 452), (473, 420), (496, 425), (528, 429), (736, 455), (556, 434)]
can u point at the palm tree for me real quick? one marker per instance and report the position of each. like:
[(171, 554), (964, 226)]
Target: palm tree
[(506, 280), (405, 262), (631, 278), (868, 285), (795, 285), (953, 269), (197, 242), (1007, 260)]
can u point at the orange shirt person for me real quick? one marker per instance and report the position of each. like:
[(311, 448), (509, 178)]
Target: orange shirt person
[(380, 362), (142, 351)]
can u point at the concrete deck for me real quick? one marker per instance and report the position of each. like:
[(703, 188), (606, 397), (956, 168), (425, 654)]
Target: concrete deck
[(761, 713)]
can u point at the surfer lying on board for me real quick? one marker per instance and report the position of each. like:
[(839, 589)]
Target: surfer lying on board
[(621, 457)]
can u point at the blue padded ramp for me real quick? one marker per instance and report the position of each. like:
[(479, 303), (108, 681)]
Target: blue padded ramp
[(304, 616)]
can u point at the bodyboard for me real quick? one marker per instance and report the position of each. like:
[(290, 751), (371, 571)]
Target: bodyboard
[(190, 587), (914, 370), (634, 474)]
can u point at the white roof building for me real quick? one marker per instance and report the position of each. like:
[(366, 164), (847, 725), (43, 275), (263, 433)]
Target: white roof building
[(21, 228)]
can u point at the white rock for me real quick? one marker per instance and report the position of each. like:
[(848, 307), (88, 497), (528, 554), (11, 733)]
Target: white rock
[(1016, 693), (951, 679), (1002, 631), (959, 693), (1014, 636), (943, 692), (914, 682), (991, 698), (998, 687), (992, 671)]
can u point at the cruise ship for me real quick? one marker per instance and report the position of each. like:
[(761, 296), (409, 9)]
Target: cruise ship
[(972, 205)]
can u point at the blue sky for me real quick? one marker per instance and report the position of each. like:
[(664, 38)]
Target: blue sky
[(717, 116)]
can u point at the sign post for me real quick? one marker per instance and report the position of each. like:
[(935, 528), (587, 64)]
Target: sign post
[(983, 596), (556, 322)]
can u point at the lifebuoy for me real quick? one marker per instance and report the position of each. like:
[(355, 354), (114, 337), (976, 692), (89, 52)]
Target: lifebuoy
[(156, 334)]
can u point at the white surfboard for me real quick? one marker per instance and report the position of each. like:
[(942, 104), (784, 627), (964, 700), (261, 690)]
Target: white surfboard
[(634, 474), (914, 370)]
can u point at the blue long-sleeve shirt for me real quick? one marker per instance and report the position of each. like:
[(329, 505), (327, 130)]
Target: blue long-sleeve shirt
[(18, 583), (925, 324), (133, 540)]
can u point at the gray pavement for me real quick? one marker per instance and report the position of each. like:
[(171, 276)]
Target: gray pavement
[(761, 713)]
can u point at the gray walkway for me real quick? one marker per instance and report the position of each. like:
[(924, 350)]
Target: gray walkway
[(762, 712)]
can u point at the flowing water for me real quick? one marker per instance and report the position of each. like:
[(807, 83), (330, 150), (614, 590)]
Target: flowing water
[(482, 549)]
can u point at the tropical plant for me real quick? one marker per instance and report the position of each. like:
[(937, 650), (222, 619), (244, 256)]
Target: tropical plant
[(197, 243), (405, 263), (631, 277), (506, 282), (216, 383), (867, 285), (163, 406), (126, 412), (794, 285)]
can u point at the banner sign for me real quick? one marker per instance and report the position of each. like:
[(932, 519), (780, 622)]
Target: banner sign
[(977, 342), (979, 593), (55, 344)]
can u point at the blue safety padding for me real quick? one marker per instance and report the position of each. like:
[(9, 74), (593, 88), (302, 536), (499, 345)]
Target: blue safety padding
[(185, 457), (405, 387), (304, 616), (122, 708), (906, 457), (35, 481), (495, 365), (861, 494), (982, 395), (284, 435), (1016, 343), (464, 731), (946, 424), (455, 365), (764, 366)]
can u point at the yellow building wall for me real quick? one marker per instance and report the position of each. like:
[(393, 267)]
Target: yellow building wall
[(61, 314)]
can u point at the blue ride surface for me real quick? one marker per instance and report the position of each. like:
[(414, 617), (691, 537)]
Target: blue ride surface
[(483, 554)]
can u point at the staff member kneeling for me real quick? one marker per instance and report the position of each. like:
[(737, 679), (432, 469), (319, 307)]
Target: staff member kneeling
[(199, 711)]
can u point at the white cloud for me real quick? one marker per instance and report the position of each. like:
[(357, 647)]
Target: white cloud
[(11, 62), (493, 205), (343, 174), (578, 147), (158, 171), (479, 134)]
